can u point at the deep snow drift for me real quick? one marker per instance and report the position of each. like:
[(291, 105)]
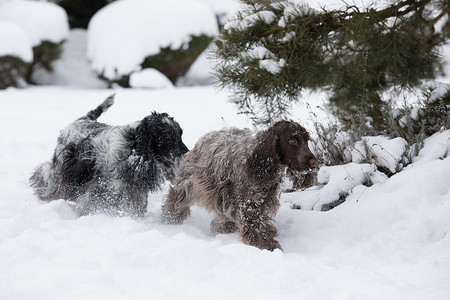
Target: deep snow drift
[(388, 241)]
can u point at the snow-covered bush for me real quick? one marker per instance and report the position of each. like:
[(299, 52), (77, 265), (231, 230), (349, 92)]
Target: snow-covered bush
[(388, 149), (128, 36), (428, 115), (72, 68), (335, 184), (409, 123), (15, 55), (335, 147), (44, 24)]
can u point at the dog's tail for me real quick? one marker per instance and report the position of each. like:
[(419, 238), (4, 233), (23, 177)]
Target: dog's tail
[(94, 114)]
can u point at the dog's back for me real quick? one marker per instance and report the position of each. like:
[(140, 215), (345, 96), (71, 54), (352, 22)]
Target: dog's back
[(48, 179), (211, 167), (221, 153)]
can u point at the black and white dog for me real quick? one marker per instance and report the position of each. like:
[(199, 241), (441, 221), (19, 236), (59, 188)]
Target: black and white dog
[(110, 169)]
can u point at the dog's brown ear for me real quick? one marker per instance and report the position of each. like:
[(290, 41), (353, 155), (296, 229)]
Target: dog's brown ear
[(264, 160)]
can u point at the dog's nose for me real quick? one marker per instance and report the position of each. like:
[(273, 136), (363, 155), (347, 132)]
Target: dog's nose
[(184, 149)]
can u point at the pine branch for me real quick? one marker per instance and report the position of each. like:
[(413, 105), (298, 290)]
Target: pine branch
[(272, 51)]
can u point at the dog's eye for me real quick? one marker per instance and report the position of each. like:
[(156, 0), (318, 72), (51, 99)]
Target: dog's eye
[(293, 142)]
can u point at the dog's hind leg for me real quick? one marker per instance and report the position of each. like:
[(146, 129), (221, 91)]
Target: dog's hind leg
[(96, 113)]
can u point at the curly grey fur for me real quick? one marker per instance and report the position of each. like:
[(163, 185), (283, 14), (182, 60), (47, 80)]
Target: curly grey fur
[(236, 175), (110, 169)]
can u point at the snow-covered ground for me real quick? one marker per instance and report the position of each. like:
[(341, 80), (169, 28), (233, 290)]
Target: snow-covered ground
[(387, 241)]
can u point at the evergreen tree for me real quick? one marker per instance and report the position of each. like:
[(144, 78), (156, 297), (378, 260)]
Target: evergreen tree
[(271, 51)]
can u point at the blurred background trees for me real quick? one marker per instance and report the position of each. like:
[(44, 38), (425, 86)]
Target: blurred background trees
[(155, 34)]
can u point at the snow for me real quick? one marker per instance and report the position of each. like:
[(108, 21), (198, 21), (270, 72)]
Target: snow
[(121, 35), (258, 52), (389, 240), (389, 152), (386, 241), (223, 9), (289, 36), (271, 65), (200, 72), (266, 59), (149, 78), (72, 69), (250, 20), (29, 15), (435, 147), (15, 42)]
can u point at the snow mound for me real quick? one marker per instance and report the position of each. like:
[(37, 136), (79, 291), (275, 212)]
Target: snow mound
[(15, 42), (435, 147), (149, 78), (338, 182), (42, 21), (387, 153), (122, 34), (72, 69)]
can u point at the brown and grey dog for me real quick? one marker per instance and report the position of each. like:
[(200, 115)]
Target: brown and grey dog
[(236, 175)]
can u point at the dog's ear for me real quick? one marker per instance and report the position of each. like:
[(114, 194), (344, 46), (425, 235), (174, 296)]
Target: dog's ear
[(265, 159), (145, 138)]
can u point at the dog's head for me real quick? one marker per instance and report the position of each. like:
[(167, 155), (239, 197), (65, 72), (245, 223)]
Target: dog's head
[(158, 136), (292, 146), (284, 143)]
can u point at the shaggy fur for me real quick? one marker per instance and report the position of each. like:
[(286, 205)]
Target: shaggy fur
[(110, 169), (237, 175)]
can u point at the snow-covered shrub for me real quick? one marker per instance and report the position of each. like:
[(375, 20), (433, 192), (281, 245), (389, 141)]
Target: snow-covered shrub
[(391, 143), (128, 36), (388, 148), (13, 71), (16, 55), (44, 23), (72, 68), (427, 116), (333, 146), (335, 184), (389, 155), (176, 62)]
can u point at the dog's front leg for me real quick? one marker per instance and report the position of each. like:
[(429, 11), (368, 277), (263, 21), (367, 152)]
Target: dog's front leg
[(256, 228)]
